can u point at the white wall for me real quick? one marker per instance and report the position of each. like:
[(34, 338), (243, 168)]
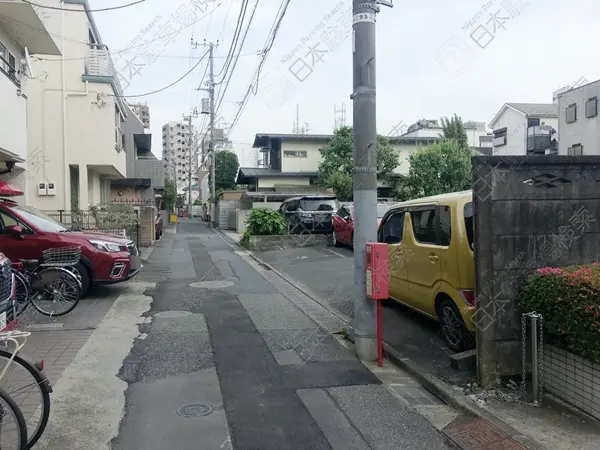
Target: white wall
[(287, 181), (516, 129), (295, 164), (13, 108), (583, 131), (90, 128)]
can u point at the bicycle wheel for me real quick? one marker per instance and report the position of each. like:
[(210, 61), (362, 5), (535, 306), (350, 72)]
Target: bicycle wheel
[(13, 430), (23, 294), (30, 390), (60, 288)]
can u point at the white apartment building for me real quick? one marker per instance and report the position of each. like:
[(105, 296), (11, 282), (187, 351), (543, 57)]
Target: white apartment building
[(176, 137), (75, 114), (578, 123), (142, 111), (522, 128), (22, 33)]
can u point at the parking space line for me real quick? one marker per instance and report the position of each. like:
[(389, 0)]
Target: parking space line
[(335, 253)]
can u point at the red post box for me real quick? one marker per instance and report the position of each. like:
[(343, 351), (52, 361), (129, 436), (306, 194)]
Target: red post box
[(377, 271), (377, 285)]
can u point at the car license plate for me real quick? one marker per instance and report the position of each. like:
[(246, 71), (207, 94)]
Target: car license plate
[(3, 320), (136, 262)]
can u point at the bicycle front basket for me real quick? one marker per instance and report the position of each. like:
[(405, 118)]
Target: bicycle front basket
[(63, 256)]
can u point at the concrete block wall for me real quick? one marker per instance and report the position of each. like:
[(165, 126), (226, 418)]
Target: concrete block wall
[(572, 379), (146, 219), (530, 212), (224, 208)]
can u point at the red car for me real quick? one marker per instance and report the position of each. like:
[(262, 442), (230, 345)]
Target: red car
[(343, 223), (105, 259)]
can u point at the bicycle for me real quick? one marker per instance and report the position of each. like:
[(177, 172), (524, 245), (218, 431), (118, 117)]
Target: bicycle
[(17, 439), (51, 279), (15, 368)]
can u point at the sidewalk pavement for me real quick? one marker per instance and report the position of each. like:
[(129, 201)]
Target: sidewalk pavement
[(553, 426)]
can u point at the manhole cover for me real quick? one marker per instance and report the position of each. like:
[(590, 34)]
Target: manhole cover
[(212, 284), (192, 411), (172, 314)]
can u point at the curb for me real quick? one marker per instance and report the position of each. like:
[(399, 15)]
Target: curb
[(454, 398), (439, 388)]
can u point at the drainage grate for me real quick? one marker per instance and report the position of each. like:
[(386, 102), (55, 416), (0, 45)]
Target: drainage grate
[(193, 411)]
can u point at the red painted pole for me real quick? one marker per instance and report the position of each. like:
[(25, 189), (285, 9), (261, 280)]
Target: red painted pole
[(379, 336)]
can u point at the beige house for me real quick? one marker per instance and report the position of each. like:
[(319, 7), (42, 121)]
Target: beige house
[(22, 35), (291, 161), (75, 117)]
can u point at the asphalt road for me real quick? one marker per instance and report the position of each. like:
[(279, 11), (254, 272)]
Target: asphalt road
[(328, 273)]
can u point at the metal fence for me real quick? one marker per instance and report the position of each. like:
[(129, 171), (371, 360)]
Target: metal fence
[(122, 224)]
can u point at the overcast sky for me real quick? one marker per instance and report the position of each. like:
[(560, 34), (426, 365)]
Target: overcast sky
[(428, 64)]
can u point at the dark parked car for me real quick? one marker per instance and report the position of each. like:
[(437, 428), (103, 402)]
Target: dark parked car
[(309, 213)]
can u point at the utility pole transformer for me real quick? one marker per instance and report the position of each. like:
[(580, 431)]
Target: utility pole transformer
[(365, 168)]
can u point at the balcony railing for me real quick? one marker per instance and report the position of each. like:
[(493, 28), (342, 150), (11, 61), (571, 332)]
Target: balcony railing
[(539, 138), (98, 62)]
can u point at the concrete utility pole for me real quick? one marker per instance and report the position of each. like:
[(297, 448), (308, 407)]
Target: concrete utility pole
[(365, 168), (211, 112), (188, 119), (212, 150)]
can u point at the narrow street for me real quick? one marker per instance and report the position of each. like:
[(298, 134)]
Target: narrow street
[(228, 362)]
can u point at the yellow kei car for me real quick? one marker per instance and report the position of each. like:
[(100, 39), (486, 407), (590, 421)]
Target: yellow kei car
[(431, 265)]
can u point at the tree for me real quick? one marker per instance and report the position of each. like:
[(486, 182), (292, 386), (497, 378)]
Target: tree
[(438, 169), (226, 169), (169, 195), (341, 184), (454, 128), (337, 167)]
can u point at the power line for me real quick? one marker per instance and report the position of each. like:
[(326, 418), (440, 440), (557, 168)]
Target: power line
[(224, 90), (112, 8), (156, 55), (166, 87), (236, 35), (265, 53)]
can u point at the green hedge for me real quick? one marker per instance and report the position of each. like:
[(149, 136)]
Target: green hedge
[(263, 222), (569, 300)]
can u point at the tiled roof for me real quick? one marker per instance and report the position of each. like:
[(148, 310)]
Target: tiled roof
[(536, 109)]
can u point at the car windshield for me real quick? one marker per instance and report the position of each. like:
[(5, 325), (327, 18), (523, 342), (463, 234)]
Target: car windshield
[(38, 219), (381, 210), (325, 204)]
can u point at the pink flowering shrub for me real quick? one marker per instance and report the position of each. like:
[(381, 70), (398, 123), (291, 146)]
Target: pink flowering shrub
[(569, 300)]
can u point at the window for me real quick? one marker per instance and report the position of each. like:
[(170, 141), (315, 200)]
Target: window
[(500, 136), (295, 154), (318, 204), (571, 113), (393, 228), (591, 107), (533, 122), (445, 225), (424, 225), (469, 226), (38, 219), (343, 213), (575, 150)]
